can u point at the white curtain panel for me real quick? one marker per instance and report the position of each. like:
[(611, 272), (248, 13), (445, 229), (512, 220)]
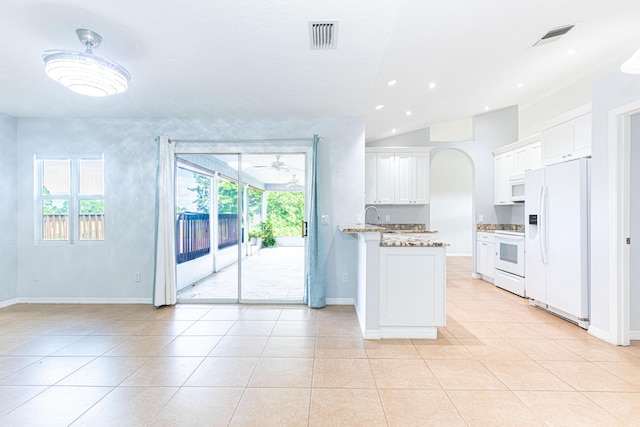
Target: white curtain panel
[(164, 291)]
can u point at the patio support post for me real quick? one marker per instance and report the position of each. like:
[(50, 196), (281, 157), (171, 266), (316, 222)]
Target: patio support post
[(213, 218), (245, 215)]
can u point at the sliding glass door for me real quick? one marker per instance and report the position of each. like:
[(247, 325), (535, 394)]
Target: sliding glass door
[(239, 227)]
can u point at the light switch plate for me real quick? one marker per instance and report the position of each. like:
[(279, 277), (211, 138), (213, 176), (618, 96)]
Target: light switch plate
[(325, 219)]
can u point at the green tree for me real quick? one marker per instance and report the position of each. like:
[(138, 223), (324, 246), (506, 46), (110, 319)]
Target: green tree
[(91, 207), (51, 208), (285, 211), (227, 196), (202, 188)]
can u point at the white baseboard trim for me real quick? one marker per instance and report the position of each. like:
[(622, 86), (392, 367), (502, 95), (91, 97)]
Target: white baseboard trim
[(371, 335), (404, 332), (84, 300), (457, 254), (341, 301), (634, 335), (476, 276), (8, 302), (598, 333)]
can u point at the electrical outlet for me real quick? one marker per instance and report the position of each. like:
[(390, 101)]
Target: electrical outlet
[(325, 219), (480, 218), (345, 278), (136, 277), (387, 218), (358, 218)]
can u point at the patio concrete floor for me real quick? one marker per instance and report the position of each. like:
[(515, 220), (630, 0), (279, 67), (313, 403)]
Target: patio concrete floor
[(270, 274)]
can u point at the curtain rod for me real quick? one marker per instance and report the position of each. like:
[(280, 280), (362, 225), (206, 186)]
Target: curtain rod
[(215, 141)]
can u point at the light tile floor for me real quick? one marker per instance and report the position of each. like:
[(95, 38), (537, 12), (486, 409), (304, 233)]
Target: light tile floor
[(498, 361)]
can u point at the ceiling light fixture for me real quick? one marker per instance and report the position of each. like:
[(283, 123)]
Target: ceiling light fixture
[(632, 65), (432, 85), (408, 113), (393, 131), (519, 85), (84, 72), (379, 107), (392, 82), (487, 107), (571, 51)]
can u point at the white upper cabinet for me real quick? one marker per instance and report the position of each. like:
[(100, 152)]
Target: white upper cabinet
[(527, 158), (412, 183), (502, 171), (399, 177), (568, 137), (380, 171), (514, 160)]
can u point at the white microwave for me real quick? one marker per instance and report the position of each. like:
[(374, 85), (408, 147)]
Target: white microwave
[(516, 188)]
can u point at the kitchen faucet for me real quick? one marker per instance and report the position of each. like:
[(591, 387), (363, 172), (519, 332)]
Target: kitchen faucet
[(365, 213)]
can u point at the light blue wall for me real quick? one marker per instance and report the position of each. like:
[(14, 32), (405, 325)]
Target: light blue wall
[(107, 270), (8, 237)]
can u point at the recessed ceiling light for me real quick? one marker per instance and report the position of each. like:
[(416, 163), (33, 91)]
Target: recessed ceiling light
[(572, 51), (487, 107), (393, 131), (408, 113), (432, 85), (519, 85), (379, 107), (392, 82)]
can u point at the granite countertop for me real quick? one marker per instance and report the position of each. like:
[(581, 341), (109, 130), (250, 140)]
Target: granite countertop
[(360, 228), (409, 235), (491, 228), (409, 239), (384, 228)]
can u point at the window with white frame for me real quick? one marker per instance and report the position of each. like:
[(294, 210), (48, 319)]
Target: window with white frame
[(70, 199)]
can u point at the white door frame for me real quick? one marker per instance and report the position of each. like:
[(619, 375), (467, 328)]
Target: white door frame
[(302, 146), (619, 142)]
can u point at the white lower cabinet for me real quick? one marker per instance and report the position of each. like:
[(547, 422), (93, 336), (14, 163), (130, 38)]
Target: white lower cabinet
[(485, 255), (412, 286)]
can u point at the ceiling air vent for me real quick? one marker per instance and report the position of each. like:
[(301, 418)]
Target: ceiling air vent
[(323, 35), (554, 34)]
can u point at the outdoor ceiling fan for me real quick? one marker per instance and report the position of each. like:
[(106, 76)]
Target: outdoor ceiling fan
[(278, 165), (293, 181)]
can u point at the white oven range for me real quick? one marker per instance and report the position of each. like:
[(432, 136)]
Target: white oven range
[(509, 261)]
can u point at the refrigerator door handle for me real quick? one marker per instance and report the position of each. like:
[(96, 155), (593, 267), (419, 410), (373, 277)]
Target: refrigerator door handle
[(542, 209)]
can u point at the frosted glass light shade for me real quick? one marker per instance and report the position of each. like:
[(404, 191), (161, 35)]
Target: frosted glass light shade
[(632, 65), (86, 73)]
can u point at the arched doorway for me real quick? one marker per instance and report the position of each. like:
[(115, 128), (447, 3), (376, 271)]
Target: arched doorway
[(451, 206)]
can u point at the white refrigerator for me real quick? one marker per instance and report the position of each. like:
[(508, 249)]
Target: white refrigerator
[(557, 239)]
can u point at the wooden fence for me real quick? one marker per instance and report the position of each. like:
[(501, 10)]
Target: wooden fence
[(56, 227)]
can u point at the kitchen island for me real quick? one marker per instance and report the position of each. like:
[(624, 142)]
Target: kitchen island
[(401, 281)]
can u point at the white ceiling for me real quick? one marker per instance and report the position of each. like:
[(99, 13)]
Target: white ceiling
[(251, 58)]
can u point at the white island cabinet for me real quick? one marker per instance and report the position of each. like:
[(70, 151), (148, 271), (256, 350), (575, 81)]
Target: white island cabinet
[(412, 295), (401, 283)]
